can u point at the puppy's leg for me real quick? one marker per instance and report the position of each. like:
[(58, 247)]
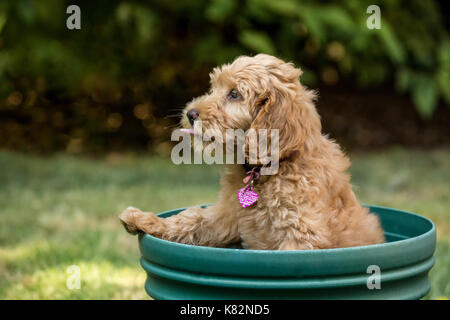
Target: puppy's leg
[(208, 226), (135, 221)]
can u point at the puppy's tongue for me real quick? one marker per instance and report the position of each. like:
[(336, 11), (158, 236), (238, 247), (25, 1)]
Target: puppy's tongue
[(189, 131)]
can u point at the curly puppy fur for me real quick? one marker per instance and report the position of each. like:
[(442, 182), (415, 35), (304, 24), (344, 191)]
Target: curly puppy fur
[(307, 204)]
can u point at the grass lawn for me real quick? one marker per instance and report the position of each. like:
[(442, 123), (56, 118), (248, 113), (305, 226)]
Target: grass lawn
[(61, 210)]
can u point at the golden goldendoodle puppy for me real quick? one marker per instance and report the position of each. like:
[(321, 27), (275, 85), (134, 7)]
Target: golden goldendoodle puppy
[(307, 204)]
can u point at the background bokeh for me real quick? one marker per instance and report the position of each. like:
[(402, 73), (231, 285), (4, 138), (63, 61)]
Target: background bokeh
[(117, 83), (86, 117)]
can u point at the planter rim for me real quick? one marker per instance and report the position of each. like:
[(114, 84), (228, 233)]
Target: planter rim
[(144, 237), (414, 241)]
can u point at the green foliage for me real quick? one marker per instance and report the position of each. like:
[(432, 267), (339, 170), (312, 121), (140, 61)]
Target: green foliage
[(425, 95), (257, 41), (443, 76), (129, 53)]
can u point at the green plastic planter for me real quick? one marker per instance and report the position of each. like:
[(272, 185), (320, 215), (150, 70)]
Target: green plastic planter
[(180, 271)]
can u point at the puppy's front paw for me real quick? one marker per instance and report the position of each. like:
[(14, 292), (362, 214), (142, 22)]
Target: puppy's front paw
[(129, 218)]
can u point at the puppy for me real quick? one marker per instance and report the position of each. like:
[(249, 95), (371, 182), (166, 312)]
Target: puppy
[(307, 204)]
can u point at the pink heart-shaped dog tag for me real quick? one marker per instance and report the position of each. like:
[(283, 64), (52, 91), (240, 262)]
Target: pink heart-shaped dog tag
[(247, 197)]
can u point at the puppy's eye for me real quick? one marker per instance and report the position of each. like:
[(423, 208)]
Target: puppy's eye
[(234, 95)]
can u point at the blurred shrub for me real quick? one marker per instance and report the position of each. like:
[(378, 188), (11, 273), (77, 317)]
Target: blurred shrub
[(134, 62)]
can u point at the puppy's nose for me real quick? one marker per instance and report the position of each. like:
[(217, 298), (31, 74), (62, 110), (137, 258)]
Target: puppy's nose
[(192, 115)]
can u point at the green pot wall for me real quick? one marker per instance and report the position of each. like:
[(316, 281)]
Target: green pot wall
[(180, 271)]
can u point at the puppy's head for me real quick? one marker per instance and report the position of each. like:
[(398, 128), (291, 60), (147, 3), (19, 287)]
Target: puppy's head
[(260, 92)]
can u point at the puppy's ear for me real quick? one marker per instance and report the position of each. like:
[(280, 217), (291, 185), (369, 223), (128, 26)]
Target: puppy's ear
[(287, 107)]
